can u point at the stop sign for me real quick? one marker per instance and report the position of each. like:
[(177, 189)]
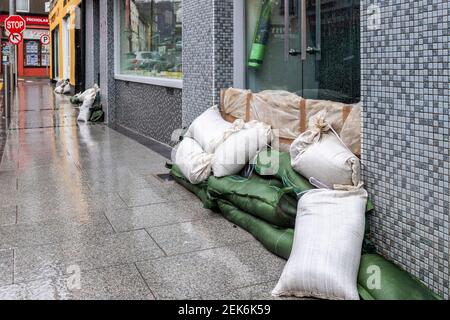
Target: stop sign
[(15, 24)]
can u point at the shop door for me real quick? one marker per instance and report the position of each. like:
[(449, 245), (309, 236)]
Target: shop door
[(312, 48)]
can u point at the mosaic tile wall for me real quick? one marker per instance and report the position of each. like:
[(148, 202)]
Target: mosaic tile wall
[(151, 111), (405, 89), (207, 54)]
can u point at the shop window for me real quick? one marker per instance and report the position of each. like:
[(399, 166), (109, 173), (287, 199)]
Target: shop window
[(150, 45), (23, 5), (35, 54)]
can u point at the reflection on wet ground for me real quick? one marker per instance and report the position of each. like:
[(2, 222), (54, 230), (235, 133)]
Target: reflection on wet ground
[(85, 201)]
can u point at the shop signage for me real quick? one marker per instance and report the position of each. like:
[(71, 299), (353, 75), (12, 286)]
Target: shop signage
[(15, 38), (45, 39), (30, 20), (15, 24)]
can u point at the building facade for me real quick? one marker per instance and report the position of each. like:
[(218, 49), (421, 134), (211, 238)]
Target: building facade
[(33, 56), (160, 64)]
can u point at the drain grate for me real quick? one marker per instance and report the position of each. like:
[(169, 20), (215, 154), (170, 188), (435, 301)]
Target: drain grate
[(165, 177)]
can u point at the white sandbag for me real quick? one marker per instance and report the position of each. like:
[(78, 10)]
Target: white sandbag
[(241, 147), (59, 89), (67, 89), (88, 92), (326, 252), (210, 129), (85, 109), (192, 161), (351, 131), (319, 153)]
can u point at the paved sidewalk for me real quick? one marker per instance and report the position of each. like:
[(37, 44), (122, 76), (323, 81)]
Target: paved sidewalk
[(87, 198)]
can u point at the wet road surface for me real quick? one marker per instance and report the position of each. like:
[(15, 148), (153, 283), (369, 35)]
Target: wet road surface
[(84, 216)]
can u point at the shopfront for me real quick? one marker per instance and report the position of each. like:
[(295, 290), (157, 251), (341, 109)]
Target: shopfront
[(67, 42), (310, 48), (32, 55)]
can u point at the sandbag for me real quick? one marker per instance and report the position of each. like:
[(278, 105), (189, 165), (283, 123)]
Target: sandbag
[(277, 240), (326, 253), (318, 153), (67, 89), (351, 131), (192, 161), (210, 129), (200, 190), (241, 147), (85, 109), (380, 279), (278, 164), (286, 113), (258, 197)]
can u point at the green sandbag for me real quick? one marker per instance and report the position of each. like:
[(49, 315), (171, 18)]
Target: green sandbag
[(395, 283), (200, 190), (257, 196), (278, 164), (75, 100), (276, 240)]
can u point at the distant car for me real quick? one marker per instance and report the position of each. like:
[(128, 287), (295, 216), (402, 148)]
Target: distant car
[(149, 60)]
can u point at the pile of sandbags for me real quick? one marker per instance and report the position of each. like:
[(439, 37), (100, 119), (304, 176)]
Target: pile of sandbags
[(63, 87), (289, 115), (87, 100), (215, 146), (308, 206)]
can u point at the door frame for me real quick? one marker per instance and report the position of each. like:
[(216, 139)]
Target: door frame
[(239, 43)]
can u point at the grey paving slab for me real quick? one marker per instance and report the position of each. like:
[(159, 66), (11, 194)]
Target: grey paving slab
[(198, 235), (49, 261), (8, 215), (206, 272), (54, 231), (6, 267), (159, 214), (112, 283), (71, 205)]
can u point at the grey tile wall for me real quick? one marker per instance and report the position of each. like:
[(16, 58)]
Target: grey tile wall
[(405, 89), (151, 111), (207, 54)]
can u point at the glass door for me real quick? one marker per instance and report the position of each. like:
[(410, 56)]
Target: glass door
[(311, 48), (269, 64), (331, 65)]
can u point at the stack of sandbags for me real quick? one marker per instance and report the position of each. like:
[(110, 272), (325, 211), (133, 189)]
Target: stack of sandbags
[(63, 87), (215, 146), (286, 113), (87, 98)]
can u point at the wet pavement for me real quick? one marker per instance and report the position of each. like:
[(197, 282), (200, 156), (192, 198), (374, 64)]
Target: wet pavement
[(84, 216)]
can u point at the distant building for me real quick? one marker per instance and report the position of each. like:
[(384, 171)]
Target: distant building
[(33, 57)]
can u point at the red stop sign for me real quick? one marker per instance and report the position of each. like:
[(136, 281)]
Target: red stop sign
[(15, 24)]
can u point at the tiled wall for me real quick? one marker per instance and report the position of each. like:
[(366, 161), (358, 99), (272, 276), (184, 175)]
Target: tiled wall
[(207, 54), (151, 111), (405, 89)]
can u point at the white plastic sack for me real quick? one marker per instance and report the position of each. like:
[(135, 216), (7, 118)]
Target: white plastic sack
[(318, 153), (210, 129), (88, 92), (192, 161), (241, 147), (66, 89), (326, 253), (85, 109)]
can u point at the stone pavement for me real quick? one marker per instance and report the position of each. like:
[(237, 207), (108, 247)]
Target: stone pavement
[(86, 200)]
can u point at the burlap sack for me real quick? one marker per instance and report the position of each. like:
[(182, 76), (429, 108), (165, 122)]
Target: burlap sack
[(351, 131)]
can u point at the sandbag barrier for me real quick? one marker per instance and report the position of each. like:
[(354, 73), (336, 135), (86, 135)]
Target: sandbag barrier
[(394, 283)]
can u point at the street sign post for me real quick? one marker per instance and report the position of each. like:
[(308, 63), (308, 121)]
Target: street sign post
[(15, 24), (15, 38), (45, 39)]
